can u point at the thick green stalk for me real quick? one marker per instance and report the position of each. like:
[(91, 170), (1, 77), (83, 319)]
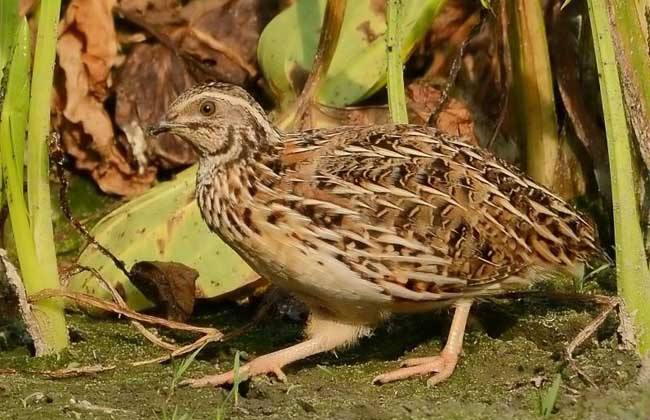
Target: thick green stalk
[(297, 115), (48, 314), (8, 24), (631, 264), (533, 88), (38, 187), (17, 103), (642, 11), (18, 213), (395, 69), (631, 49)]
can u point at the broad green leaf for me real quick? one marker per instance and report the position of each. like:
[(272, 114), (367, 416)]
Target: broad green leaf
[(358, 69), (163, 224)]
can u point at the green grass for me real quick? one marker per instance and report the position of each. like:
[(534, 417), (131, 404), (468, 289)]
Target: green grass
[(548, 398), (232, 399)]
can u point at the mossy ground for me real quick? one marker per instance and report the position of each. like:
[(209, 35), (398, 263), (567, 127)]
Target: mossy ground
[(512, 352)]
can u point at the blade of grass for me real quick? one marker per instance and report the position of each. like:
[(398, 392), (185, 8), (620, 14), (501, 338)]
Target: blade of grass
[(180, 370), (395, 68), (631, 265), (548, 398), (224, 407)]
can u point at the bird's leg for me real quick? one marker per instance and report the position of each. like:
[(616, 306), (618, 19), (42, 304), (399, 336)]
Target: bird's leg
[(443, 365), (324, 335)]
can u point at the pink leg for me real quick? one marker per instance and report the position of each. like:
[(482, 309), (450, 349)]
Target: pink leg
[(324, 335), (443, 365)]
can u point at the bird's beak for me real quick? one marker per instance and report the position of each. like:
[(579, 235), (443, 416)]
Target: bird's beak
[(162, 127)]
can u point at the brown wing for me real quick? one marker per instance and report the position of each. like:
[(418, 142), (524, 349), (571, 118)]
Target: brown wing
[(424, 214)]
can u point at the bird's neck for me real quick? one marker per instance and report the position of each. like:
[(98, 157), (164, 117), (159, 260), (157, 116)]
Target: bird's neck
[(228, 182), (239, 142)]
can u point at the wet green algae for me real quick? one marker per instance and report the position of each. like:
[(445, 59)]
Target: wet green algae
[(512, 352)]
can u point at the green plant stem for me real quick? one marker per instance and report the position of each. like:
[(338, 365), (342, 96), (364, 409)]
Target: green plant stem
[(48, 315), (395, 69), (533, 90), (631, 265), (631, 49), (18, 96), (296, 116), (8, 24), (38, 187)]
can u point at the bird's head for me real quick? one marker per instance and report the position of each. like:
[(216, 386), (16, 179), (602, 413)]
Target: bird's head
[(217, 119)]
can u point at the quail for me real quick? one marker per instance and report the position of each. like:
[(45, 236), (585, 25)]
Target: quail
[(362, 222)]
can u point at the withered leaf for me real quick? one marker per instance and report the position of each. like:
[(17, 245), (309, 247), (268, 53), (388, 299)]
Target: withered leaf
[(225, 33), (87, 52), (143, 94), (455, 118), (170, 285)]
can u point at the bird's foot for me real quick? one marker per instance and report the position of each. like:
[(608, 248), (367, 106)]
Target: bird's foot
[(261, 366), (442, 366)]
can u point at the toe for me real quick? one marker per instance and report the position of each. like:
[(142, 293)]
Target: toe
[(399, 374), (440, 376), (418, 361), (211, 380), (441, 366), (279, 374)]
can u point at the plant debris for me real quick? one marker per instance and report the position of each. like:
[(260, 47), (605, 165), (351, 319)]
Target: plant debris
[(170, 285), (72, 372), (13, 292), (100, 60)]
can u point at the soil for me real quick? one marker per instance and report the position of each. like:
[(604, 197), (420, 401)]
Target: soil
[(513, 351)]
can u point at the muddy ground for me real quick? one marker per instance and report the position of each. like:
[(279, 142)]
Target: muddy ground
[(512, 353)]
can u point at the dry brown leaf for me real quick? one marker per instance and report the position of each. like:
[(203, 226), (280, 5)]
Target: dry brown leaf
[(87, 51), (143, 94), (214, 39), (170, 285), (26, 6), (421, 98), (455, 118), (224, 34)]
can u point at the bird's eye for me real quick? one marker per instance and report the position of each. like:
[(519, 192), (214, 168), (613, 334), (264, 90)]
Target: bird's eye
[(207, 108)]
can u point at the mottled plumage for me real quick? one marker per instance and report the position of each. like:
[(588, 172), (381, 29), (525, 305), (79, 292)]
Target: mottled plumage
[(362, 222)]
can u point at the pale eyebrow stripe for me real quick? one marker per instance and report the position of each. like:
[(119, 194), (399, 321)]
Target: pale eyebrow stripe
[(256, 112)]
